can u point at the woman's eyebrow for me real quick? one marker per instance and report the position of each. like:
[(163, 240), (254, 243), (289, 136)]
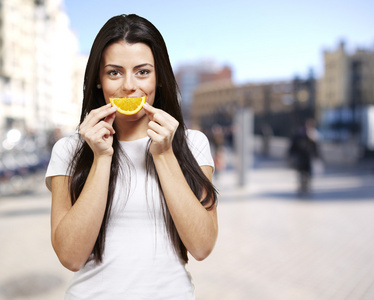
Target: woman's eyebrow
[(143, 65), (113, 66)]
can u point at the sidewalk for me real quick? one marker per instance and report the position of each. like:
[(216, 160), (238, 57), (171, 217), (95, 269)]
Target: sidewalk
[(271, 246), (29, 267), (274, 246)]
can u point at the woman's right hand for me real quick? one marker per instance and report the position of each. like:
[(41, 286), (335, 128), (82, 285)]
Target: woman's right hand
[(97, 130)]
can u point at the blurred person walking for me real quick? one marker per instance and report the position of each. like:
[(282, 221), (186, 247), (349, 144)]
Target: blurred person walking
[(131, 194), (218, 149), (302, 153)]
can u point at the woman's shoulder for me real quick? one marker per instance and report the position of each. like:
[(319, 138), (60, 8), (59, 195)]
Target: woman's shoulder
[(61, 156), (200, 147), (67, 143), (195, 136)]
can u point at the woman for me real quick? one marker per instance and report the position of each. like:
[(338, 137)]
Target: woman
[(131, 195)]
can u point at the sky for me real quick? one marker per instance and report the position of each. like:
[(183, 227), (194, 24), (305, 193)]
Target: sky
[(261, 40)]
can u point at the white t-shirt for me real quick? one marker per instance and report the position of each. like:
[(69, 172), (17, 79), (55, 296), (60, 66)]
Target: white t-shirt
[(139, 261)]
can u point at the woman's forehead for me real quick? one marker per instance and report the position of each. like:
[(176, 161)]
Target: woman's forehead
[(123, 52)]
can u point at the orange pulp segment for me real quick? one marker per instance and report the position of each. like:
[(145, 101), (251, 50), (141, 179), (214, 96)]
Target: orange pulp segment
[(127, 105)]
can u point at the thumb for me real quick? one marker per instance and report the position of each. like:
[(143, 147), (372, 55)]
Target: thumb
[(110, 118), (149, 110)]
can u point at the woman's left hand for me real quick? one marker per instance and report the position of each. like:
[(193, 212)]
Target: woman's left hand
[(161, 129)]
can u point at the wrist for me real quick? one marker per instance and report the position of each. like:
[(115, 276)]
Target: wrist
[(102, 159), (165, 160), (164, 155)]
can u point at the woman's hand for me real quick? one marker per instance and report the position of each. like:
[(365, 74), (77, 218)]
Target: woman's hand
[(161, 129), (97, 130)]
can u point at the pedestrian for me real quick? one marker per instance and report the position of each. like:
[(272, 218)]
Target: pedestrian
[(302, 152), (131, 194)]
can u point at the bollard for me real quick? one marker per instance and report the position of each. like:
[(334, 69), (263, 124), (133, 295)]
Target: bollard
[(243, 143)]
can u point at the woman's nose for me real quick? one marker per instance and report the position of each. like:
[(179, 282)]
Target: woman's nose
[(129, 84)]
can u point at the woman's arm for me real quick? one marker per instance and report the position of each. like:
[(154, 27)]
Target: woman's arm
[(74, 229), (196, 226)]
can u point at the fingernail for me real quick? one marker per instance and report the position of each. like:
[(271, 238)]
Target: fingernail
[(145, 104)]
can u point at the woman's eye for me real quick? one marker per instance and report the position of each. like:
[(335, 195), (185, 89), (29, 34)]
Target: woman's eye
[(143, 72), (113, 73)]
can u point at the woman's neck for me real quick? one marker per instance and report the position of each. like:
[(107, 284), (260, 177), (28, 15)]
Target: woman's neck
[(131, 130)]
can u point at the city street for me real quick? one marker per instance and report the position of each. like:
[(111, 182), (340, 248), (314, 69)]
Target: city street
[(272, 245), (270, 85)]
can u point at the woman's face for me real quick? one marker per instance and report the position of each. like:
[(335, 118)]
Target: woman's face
[(128, 70)]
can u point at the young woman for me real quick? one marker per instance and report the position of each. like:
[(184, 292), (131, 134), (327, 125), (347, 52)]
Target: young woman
[(131, 194)]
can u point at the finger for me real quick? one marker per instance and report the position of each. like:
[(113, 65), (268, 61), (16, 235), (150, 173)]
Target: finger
[(93, 132), (154, 112), (157, 128), (110, 119), (154, 136), (97, 114), (149, 110), (160, 116), (166, 120), (103, 133), (98, 136), (105, 125)]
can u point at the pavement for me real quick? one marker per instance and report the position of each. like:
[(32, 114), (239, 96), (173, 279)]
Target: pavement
[(272, 244)]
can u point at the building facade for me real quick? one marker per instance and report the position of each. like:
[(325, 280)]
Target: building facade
[(345, 92), (191, 75), (348, 78), (38, 67), (218, 102)]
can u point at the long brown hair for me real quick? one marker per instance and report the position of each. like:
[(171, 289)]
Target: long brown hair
[(135, 29)]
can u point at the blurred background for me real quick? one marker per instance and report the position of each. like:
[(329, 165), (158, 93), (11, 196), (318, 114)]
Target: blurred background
[(254, 77)]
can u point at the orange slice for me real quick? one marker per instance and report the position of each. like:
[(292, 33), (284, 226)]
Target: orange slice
[(128, 106)]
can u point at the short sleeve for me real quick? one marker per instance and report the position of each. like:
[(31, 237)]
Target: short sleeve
[(61, 156), (200, 147)]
